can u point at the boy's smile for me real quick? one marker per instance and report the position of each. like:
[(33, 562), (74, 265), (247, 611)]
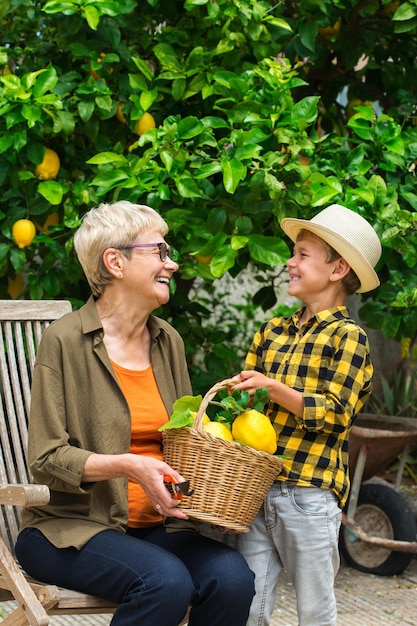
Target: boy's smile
[(308, 269)]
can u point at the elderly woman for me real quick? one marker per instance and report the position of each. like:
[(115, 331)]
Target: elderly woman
[(105, 380)]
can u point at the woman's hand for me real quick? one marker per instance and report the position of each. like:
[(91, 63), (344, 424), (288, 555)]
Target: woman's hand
[(149, 473), (145, 470)]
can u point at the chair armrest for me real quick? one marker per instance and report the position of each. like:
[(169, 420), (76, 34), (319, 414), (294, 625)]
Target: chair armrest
[(24, 495)]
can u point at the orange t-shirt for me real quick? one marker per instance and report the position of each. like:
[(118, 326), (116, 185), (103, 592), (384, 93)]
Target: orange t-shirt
[(148, 413)]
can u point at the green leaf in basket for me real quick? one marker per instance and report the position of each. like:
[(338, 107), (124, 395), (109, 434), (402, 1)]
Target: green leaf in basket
[(233, 404), (240, 401), (224, 417), (179, 419), (187, 402), (260, 398), (184, 411), (242, 398)]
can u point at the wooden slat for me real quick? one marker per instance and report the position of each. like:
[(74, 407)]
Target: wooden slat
[(16, 407), (71, 602), (21, 337), (46, 310), (9, 519)]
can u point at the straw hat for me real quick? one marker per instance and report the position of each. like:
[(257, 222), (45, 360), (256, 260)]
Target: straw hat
[(349, 234)]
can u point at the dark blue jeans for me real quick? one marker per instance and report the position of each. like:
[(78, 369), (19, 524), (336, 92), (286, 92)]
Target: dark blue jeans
[(153, 577)]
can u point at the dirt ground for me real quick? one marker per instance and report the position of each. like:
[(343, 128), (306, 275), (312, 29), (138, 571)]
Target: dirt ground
[(362, 599)]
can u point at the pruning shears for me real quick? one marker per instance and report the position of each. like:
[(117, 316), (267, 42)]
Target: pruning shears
[(178, 489)]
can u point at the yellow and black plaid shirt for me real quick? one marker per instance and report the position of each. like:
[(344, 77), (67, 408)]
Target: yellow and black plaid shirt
[(328, 361)]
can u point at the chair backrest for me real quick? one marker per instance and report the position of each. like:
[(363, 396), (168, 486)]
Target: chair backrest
[(22, 323)]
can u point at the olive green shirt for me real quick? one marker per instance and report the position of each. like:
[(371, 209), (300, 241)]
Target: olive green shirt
[(78, 409)]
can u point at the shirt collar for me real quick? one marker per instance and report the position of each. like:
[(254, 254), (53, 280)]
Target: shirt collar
[(90, 320), (323, 318)]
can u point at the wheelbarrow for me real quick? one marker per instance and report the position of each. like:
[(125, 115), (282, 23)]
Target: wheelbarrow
[(378, 533)]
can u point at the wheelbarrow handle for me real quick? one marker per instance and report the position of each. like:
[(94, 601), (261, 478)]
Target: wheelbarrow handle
[(356, 482)]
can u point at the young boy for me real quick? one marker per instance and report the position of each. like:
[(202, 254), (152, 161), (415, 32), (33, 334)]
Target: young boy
[(317, 369)]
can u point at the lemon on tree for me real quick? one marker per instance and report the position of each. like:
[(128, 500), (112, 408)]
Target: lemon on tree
[(218, 430), (353, 103), (23, 232), (15, 286), (144, 123), (119, 113), (254, 429), (203, 259), (49, 168), (100, 59), (51, 220), (391, 7), (327, 32)]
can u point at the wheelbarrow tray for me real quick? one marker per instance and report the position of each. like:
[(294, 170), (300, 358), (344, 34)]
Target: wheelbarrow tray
[(385, 437)]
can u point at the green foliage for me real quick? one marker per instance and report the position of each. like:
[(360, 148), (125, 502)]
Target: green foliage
[(260, 114), (183, 414), (398, 397), (240, 402), (227, 408)]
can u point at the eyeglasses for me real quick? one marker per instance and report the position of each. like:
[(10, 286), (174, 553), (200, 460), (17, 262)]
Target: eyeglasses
[(164, 249)]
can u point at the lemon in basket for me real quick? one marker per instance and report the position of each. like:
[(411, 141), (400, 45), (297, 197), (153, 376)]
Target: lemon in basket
[(254, 429), (218, 430), (206, 418)]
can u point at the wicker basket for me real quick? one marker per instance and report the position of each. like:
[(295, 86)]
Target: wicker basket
[(230, 480)]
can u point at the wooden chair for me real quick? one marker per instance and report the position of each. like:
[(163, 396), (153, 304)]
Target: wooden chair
[(21, 326)]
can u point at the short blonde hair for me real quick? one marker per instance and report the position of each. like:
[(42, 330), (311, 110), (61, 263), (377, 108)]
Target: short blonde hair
[(113, 225), (350, 282)]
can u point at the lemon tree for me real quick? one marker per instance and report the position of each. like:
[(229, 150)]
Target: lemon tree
[(245, 136)]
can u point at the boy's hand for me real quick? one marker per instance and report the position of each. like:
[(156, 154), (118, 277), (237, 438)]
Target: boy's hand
[(250, 381)]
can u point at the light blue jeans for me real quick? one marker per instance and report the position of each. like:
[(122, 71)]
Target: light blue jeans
[(297, 529)]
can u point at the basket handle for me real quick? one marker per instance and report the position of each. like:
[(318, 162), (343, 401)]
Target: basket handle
[(224, 384)]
